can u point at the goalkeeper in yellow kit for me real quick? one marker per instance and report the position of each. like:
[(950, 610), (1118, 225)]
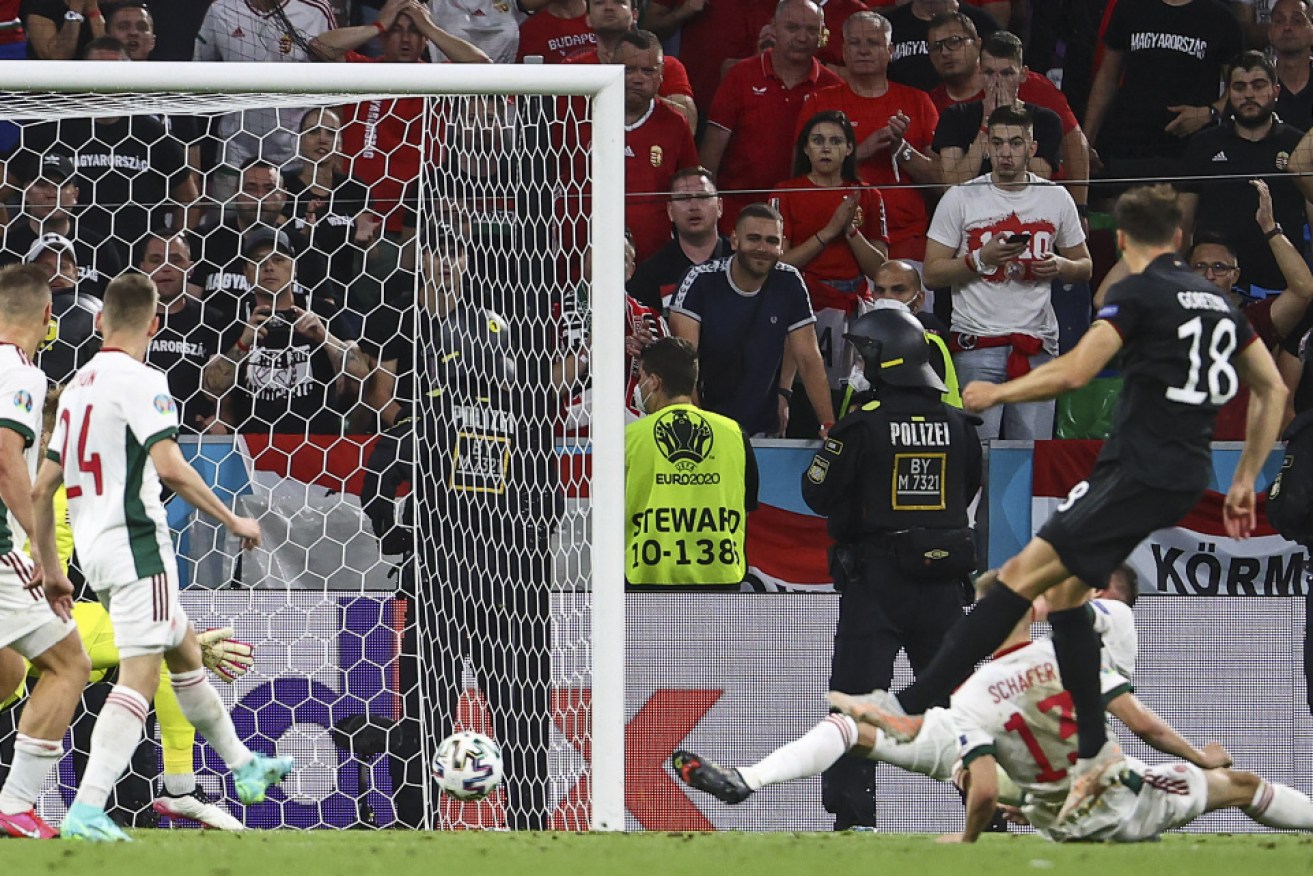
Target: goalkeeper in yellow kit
[(181, 797)]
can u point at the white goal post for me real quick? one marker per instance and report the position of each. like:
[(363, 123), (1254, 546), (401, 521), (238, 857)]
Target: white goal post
[(214, 87)]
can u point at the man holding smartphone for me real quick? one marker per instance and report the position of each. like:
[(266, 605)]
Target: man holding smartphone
[(999, 241), (282, 369)]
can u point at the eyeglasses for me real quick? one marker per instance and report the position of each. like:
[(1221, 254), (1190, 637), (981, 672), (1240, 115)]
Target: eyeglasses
[(1214, 268), (952, 44)]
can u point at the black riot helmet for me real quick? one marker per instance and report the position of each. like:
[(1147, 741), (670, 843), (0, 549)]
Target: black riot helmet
[(894, 348)]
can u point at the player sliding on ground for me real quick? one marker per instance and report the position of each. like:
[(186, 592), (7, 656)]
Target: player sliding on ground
[(1015, 715), (112, 446), (1186, 350), (934, 750)]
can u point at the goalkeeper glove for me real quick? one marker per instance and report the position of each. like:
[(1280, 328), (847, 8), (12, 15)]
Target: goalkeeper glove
[(225, 656)]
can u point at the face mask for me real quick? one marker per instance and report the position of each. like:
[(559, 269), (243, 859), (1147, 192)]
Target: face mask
[(857, 378), (639, 400)]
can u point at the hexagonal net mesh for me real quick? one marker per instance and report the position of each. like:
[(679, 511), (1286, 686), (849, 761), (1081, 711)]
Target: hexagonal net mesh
[(374, 320)]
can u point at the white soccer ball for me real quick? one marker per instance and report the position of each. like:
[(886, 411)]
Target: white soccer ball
[(468, 766)]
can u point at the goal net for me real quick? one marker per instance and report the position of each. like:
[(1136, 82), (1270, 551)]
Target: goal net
[(376, 323)]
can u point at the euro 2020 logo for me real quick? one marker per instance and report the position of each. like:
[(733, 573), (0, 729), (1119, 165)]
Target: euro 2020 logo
[(684, 437)]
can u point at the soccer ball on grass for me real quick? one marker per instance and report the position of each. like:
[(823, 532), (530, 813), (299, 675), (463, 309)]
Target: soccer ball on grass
[(468, 766)]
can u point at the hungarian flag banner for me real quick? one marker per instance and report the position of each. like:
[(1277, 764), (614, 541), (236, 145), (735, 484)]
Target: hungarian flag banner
[(1193, 558)]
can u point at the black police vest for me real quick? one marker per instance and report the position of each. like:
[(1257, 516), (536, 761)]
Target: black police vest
[(915, 475)]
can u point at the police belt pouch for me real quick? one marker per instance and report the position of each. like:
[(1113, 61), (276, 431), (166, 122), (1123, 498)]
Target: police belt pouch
[(939, 555)]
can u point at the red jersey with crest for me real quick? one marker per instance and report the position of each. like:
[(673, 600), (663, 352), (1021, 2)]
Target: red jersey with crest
[(656, 146), (553, 38), (383, 140), (905, 208)]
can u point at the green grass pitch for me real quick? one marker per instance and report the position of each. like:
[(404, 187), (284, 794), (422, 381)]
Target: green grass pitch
[(327, 853)]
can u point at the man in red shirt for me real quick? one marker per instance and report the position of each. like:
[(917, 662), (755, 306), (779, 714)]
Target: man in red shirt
[(555, 32), (748, 142), (612, 19), (1000, 62), (894, 125), (383, 139), (657, 143), (710, 33)]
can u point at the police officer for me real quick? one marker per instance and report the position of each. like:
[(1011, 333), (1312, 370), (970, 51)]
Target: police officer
[(485, 498), (690, 479), (894, 477)]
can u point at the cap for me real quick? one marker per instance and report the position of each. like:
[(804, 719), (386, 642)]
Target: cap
[(53, 166), (275, 239), (58, 242)]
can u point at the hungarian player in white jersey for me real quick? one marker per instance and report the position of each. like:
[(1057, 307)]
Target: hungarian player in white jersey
[(1014, 714), (112, 445), (28, 626), (933, 752)]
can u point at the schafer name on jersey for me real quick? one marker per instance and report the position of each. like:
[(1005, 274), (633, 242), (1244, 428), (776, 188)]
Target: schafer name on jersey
[(916, 434)]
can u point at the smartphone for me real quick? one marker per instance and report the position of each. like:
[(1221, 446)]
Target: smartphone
[(1017, 238)]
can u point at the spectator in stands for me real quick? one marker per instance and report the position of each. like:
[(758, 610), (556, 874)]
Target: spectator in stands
[(271, 31), (750, 319), (555, 32), (383, 139), (49, 196), (1290, 36), (612, 19), (73, 312), (711, 36), (283, 370), (899, 280), (694, 212), (894, 124), (58, 30), (131, 23), (911, 53), (132, 172), (658, 142), (835, 233), (961, 136), (1158, 82), (491, 25), (332, 206), (222, 270), (999, 245), (1251, 141), (189, 333), (748, 141)]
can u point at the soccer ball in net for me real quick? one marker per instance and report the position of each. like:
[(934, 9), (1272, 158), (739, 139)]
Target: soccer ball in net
[(468, 766)]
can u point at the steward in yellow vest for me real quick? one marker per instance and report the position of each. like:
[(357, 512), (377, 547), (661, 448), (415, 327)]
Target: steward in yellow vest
[(690, 481)]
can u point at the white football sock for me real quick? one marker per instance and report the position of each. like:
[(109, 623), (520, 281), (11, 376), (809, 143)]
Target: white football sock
[(810, 754), (33, 761), (115, 737), (1282, 807), (201, 706)]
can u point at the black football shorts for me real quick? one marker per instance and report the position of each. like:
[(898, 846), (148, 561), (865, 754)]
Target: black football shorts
[(1106, 516)]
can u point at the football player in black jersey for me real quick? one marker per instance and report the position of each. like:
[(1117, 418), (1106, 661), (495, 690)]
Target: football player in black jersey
[(1186, 350)]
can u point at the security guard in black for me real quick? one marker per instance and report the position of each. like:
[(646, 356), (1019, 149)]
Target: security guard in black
[(895, 478)]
